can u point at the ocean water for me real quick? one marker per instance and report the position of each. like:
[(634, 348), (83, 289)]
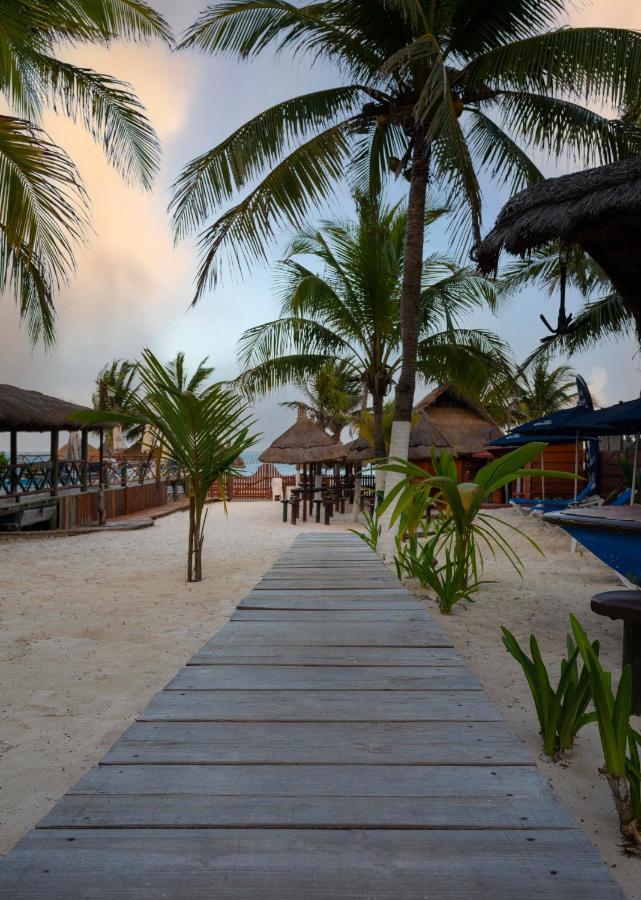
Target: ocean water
[(252, 463)]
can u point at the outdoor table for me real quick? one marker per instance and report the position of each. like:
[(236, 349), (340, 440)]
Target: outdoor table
[(625, 605)]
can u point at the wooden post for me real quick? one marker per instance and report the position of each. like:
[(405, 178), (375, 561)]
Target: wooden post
[(55, 473), (304, 492), (84, 460), (102, 511), (14, 462)]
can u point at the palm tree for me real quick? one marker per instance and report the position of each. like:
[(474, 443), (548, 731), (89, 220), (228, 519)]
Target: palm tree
[(436, 91), (116, 385), (332, 397), (603, 314), (542, 390), (43, 205), (348, 308), (203, 430)]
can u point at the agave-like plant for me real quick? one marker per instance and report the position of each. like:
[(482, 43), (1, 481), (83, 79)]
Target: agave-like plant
[(463, 529), (203, 430)]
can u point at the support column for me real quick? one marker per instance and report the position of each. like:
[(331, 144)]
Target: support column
[(13, 459), (55, 472), (84, 460)]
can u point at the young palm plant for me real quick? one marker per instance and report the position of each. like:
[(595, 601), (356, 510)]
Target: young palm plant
[(203, 428), (347, 307), (43, 205), (332, 397), (462, 530), (434, 91)]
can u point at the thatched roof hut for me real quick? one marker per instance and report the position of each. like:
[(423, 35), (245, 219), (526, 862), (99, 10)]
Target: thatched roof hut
[(598, 209), (93, 453), (426, 437), (22, 410), (359, 451), (305, 442), (460, 425)]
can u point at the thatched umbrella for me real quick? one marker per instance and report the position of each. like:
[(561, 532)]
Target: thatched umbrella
[(598, 209), (22, 410), (305, 444), (359, 451)]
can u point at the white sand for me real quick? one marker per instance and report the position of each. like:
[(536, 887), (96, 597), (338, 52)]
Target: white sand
[(540, 604), (93, 626)]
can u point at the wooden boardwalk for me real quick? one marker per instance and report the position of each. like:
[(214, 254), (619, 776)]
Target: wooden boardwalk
[(329, 742)]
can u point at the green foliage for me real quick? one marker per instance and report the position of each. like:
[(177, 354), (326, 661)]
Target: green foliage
[(619, 741), (626, 468), (464, 530), (43, 205), (204, 428), (561, 711), (449, 580), (483, 84), (332, 396), (372, 531), (4, 461)]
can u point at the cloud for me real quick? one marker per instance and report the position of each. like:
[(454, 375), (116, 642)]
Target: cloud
[(597, 381)]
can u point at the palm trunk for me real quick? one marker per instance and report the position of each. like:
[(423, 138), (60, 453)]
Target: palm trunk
[(192, 534), (410, 324), (379, 437), (412, 276)]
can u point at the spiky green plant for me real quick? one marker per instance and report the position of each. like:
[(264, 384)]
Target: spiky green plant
[(43, 205), (562, 710), (463, 529), (204, 430), (619, 740)]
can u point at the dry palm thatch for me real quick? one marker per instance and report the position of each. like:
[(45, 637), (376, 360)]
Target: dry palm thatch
[(598, 209), (426, 438), (467, 427), (22, 410), (359, 451), (304, 442), (93, 453)]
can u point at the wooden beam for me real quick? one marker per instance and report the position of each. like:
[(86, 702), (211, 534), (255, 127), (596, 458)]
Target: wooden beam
[(55, 473), (84, 459), (13, 453)]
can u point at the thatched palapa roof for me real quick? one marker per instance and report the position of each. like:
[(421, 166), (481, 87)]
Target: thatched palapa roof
[(304, 442), (22, 410), (465, 426), (425, 437), (598, 209), (359, 451), (93, 453)]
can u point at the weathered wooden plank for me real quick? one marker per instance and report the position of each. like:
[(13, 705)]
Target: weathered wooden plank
[(320, 706), (341, 634), (333, 593), (308, 655), (325, 574), (324, 585), (424, 743), (309, 810), (315, 617), (499, 782), (290, 864), (326, 603), (324, 678)]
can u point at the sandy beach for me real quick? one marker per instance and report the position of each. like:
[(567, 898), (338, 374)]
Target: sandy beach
[(94, 625)]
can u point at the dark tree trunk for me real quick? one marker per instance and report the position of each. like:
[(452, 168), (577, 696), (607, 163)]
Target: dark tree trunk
[(412, 273), (379, 437)]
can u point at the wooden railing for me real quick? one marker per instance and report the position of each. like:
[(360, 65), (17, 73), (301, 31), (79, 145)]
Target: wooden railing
[(41, 476)]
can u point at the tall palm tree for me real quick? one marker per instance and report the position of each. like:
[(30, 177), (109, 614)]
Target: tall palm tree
[(116, 384), (542, 390), (346, 306), (43, 205), (436, 91), (332, 397), (203, 430)]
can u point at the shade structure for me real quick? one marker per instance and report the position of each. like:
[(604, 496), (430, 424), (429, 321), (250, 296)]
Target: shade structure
[(598, 209), (515, 439), (426, 438), (359, 451), (466, 427), (576, 421), (305, 442), (22, 410), (621, 418)]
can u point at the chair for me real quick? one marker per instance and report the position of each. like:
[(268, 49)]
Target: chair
[(539, 506), (277, 488)]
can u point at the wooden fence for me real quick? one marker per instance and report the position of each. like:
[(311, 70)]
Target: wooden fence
[(252, 487)]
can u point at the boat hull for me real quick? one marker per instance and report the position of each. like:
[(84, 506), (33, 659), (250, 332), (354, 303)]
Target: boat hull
[(615, 541)]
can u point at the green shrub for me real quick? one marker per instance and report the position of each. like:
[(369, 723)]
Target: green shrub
[(561, 711), (372, 530), (619, 741)]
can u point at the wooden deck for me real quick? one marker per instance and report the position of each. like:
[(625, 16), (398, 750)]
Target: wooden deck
[(328, 742)]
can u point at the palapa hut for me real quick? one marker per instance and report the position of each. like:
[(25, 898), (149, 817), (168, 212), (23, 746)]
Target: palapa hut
[(358, 452), (466, 426), (598, 209), (305, 443)]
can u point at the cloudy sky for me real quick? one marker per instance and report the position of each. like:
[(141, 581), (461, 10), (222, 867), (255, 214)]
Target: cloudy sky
[(133, 286)]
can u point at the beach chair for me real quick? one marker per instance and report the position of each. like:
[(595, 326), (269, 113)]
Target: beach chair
[(623, 498), (538, 506), (277, 489)]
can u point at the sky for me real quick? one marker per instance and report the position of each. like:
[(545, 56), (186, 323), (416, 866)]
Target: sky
[(133, 287)]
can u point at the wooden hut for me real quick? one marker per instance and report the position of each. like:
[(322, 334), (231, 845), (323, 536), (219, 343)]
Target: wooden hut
[(453, 422), (598, 210)]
